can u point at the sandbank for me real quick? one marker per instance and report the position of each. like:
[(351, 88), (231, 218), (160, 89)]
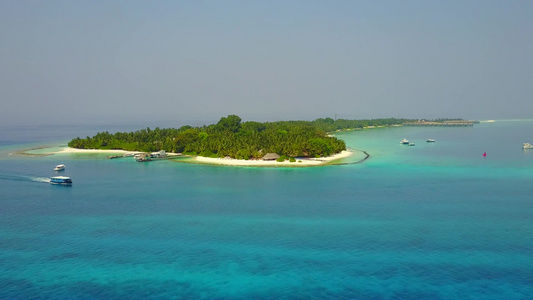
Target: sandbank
[(300, 162)]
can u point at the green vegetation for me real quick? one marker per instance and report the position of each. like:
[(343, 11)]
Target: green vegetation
[(236, 139), (281, 158), (328, 124)]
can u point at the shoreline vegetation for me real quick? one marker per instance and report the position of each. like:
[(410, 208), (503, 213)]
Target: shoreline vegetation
[(232, 139)]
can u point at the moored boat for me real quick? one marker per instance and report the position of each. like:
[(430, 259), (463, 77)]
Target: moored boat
[(411, 144), (59, 168), (64, 180), (527, 146), (430, 140), (404, 141), (142, 157)]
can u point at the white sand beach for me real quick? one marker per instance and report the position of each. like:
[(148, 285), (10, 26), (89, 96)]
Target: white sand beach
[(272, 163), (74, 150), (40, 151), (103, 151), (302, 162)]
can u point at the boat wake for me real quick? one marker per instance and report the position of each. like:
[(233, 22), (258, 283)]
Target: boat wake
[(12, 177), (41, 179)]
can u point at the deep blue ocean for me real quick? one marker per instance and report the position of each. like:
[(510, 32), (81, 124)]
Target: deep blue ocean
[(433, 221)]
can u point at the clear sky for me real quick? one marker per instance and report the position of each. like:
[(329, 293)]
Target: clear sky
[(85, 61)]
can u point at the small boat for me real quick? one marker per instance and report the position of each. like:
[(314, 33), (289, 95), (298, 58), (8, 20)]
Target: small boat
[(404, 141), (59, 168), (411, 144), (64, 180), (430, 140), (527, 146)]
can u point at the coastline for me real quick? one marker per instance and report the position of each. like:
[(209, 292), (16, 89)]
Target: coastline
[(302, 162), (47, 151), (69, 150), (75, 150)]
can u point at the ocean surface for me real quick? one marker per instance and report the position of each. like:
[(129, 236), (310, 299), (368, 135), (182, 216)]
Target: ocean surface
[(433, 221)]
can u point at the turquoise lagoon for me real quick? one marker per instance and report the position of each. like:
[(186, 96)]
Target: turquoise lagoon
[(434, 221)]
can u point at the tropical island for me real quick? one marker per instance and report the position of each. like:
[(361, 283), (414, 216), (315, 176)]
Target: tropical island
[(232, 138)]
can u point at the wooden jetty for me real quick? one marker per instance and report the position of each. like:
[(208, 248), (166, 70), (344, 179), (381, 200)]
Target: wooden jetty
[(147, 157), (142, 156)]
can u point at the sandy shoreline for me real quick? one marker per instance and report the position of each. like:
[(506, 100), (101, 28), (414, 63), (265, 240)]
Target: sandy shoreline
[(250, 163), (302, 162), (103, 151), (74, 150), (46, 151)]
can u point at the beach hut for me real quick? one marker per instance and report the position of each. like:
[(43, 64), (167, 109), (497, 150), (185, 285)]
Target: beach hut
[(271, 156)]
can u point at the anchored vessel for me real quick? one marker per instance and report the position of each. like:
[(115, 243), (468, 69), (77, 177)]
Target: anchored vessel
[(527, 146), (430, 140), (404, 141), (64, 180), (59, 168)]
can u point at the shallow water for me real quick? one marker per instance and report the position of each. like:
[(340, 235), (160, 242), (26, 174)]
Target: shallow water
[(434, 221)]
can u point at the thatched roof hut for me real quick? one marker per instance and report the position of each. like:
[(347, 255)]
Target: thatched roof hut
[(271, 156)]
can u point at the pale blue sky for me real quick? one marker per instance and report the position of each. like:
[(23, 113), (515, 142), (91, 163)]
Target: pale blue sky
[(86, 61)]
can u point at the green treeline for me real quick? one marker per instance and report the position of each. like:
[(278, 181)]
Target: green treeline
[(231, 137), (328, 124)]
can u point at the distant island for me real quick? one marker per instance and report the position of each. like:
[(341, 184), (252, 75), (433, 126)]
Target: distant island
[(232, 138)]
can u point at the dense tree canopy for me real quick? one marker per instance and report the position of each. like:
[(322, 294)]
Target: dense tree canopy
[(328, 124), (231, 137)]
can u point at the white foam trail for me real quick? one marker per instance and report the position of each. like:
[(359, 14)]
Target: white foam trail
[(15, 177), (40, 179)]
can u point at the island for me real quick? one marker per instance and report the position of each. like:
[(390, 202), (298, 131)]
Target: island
[(231, 138)]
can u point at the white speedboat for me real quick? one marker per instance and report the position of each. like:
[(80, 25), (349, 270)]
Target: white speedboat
[(59, 168), (430, 140), (64, 180), (527, 146), (404, 141)]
